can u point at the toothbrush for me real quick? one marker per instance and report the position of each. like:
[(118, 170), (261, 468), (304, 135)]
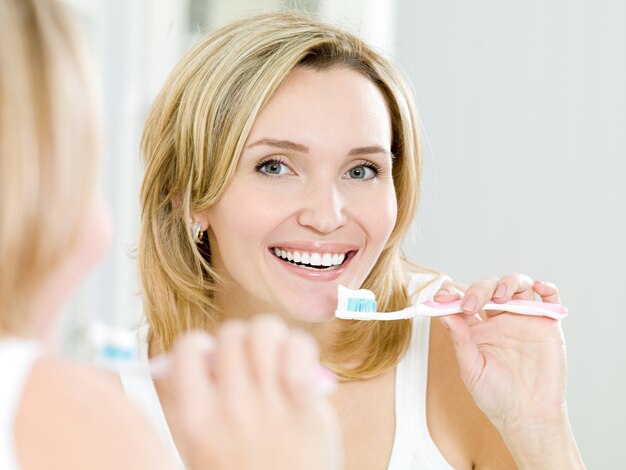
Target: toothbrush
[(361, 305), (116, 349), (324, 380)]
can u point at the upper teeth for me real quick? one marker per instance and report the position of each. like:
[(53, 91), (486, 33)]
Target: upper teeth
[(314, 259)]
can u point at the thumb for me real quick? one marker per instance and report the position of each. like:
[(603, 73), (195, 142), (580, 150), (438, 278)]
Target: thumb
[(469, 357)]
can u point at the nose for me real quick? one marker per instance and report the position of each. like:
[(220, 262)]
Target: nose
[(323, 209)]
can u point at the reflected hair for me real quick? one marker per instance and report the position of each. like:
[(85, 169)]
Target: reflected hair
[(48, 144), (192, 141)]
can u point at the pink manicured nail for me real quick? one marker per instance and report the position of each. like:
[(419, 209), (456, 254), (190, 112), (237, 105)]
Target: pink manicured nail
[(500, 292), (469, 304)]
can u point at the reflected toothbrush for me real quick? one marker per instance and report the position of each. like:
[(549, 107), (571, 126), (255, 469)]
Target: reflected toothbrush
[(361, 305), (116, 349)]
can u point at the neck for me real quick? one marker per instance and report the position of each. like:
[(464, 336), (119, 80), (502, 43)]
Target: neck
[(48, 303)]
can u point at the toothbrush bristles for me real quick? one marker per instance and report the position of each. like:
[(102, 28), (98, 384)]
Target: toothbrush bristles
[(361, 305), (357, 301)]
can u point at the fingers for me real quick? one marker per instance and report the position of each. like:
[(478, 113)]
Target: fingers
[(256, 395), (547, 291), (284, 363), (234, 372), (450, 291), (189, 380), (514, 286), (478, 294), (267, 335), (301, 355), (262, 362), (510, 286)]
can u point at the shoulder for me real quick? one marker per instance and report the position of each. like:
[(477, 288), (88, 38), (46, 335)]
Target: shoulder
[(461, 431), (74, 416)]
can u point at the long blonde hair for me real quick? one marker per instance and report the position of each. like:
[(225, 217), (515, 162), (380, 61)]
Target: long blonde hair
[(191, 144), (48, 141)]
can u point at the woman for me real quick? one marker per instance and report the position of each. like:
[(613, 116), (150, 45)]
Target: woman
[(53, 227), (282, 158)]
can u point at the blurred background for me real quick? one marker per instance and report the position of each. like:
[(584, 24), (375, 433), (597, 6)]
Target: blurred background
[(523, 109)]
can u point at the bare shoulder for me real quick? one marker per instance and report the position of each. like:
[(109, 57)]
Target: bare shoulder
[(458, 427), (74, 416)]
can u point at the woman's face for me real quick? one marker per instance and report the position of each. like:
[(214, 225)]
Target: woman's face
[(312, 202)]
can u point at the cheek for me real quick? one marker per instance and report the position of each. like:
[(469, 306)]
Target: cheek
[(378, 216), (242, 219)]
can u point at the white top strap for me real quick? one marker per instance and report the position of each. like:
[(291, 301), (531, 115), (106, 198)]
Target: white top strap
[(17, 357), (413, 447), (140, 390)]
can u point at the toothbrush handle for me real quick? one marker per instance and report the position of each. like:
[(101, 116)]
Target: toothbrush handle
[(524, 307)]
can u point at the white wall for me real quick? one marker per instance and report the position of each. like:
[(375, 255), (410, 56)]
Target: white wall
[(523, 107)]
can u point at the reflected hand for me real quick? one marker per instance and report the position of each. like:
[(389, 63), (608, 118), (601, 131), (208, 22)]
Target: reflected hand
[(251, 403)]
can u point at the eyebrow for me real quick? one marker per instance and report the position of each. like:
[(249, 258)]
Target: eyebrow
[(289, 145)]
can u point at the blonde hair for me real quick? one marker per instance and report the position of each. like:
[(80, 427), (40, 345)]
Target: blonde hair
[(48, 140), (193, 137)]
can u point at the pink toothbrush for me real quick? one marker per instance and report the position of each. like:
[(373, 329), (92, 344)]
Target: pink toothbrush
[(361, 305)]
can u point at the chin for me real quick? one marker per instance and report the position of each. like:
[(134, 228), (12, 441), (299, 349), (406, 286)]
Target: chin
[(315, 317), (313, 310)]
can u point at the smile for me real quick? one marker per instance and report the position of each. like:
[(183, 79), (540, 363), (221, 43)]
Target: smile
[(311, 260)]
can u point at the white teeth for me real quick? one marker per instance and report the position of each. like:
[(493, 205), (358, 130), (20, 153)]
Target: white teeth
[(316, 259)]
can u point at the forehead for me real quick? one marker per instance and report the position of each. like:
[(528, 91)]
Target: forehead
[(338, 103)]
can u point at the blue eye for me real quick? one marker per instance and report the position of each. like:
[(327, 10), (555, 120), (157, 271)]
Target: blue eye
[(362, 172), (272, 167)]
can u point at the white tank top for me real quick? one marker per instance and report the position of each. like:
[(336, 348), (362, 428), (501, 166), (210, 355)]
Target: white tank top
[(413, 447), (17, 357)]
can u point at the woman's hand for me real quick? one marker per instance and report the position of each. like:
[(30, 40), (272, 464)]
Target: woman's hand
[(251, 400), (513, 365)]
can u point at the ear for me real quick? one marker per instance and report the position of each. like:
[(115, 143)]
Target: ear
[(201, 218)]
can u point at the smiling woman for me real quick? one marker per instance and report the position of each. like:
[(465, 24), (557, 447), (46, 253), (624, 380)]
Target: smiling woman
[(282, 159), (314, 108), (309, 191)]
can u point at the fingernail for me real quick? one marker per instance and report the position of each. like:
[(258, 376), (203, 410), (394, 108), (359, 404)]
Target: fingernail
[(500, 291), (442, 292), (469, 304)]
